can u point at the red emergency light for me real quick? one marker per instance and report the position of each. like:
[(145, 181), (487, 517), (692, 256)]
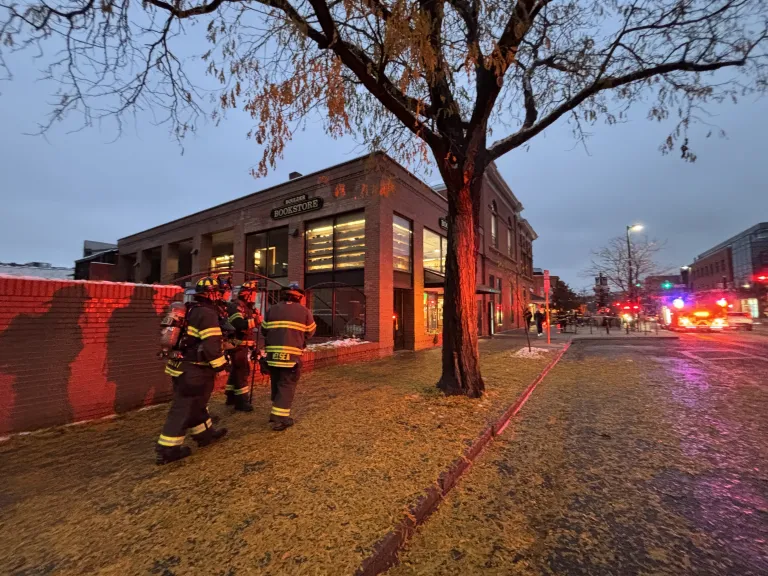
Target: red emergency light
[(762, 278)]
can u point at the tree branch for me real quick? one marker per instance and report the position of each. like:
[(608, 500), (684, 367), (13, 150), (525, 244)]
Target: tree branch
[(404, 108), (511, 142)]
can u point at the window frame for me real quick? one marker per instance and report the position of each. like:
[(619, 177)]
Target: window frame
[(396, 215), (249, 255), (334, 261), (443, 250)]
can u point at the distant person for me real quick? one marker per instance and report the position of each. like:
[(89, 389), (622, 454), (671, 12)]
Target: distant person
[(539, 318), (607, 324), (528, 317)]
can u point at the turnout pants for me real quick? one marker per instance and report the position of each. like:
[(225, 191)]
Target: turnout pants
[(237, 384), (284, 381), (189, 407)]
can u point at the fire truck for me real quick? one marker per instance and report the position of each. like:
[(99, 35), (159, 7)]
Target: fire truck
[(692, 313)]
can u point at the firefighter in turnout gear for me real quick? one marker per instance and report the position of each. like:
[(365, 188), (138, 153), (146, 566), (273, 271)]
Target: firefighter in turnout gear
[(287, 327), (246, 321), (193, 371)]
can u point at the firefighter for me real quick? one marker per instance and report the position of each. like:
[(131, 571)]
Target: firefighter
[(193, 377), (246, 321), (287, 327)]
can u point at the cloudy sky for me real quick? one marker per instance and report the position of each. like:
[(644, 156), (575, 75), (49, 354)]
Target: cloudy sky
[(59, 191)]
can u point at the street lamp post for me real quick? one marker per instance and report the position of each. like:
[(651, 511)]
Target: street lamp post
[(631, 228)]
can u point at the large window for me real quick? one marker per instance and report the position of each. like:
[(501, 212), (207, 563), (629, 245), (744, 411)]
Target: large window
[(402, 233), (494, 230), (336, 243), (510, 243), (339, 311), (435, 248), (222, 263), (267, 252)]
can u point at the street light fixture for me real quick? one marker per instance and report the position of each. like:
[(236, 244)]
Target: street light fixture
[(631, 228)]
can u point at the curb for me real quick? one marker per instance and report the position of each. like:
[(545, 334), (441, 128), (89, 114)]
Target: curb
[(385, 551)]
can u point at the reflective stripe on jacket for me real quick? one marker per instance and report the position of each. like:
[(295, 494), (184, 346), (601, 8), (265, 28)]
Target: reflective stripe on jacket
[(203, 338), (287, 327), (245, 321)]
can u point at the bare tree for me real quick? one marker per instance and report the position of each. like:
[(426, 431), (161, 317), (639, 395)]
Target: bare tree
[(611, 260), (414, 77)]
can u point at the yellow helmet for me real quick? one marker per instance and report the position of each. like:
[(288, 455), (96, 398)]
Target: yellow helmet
[(249, 286), (207, 286)]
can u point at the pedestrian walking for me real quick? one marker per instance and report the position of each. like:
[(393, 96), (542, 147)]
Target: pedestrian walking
[(539, 318), (528, 317), (287, 327)]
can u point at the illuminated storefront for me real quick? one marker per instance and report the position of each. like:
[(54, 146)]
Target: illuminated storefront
[(367, 242)]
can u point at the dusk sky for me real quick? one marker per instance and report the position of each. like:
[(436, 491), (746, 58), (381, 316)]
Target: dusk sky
[(71, 187)]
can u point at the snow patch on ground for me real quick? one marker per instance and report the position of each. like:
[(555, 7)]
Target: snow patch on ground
[(532, 353), (345, 343)]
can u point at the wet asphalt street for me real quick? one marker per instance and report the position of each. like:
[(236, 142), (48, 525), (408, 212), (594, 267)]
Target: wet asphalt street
[(631, 458)]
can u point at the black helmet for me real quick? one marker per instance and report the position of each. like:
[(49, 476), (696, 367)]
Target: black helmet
[(207, 287)]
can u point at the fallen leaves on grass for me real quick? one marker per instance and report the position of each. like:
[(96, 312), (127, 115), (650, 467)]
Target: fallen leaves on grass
[(313, 499)]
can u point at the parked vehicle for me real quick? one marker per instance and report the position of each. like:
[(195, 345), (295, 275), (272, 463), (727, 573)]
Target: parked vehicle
[(740, 321)]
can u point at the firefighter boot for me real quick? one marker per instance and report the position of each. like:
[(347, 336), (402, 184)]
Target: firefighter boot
[(242, 404), (210, 436), (168, 454), (280, 423), (230, 398)]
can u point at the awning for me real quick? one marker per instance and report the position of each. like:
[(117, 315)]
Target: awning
[(433, 279), (483, 289), (537, 299)]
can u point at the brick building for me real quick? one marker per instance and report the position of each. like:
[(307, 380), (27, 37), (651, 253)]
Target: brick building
[(734, 266), (715, 270), (366, 238)]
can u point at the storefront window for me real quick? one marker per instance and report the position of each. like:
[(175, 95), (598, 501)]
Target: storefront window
[(222, 263), (268, 252), (339, 311), (349, 241), (320, 245), (401, 243), (435, 248), (433, 312)]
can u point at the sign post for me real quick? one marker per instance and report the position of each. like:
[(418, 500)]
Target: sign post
[(546, 304)]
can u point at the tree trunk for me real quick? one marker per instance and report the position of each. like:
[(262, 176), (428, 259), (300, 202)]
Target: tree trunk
[(461, 366)]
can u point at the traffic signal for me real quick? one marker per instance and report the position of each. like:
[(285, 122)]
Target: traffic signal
[(666, 285)]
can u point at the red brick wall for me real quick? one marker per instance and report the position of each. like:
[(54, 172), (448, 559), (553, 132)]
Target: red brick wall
[(72, 351)]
